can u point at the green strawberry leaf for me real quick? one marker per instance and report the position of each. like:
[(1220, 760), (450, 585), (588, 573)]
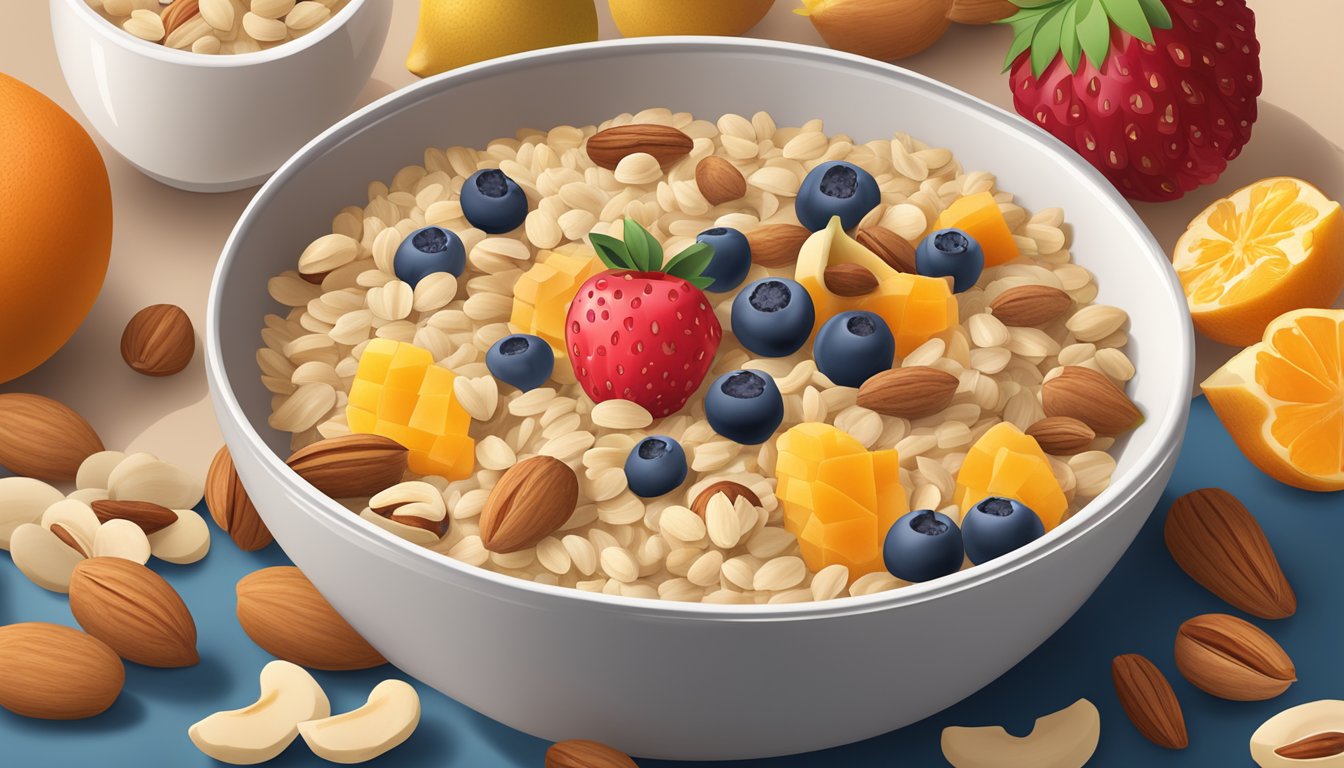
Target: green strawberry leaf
[(1069, 46), (1024, 25), (691, 262), (611, 251), (645, 251), (1045, 45), (1035, 3), (1157, 14), (1129, 16), (1094, 32)]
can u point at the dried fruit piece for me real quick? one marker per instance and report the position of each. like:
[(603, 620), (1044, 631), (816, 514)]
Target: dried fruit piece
[(1062, 435), (849, 280), (1063, 739), (158, 341), (719, 180), (1149, 701), (231, 507), (582, 753), (891, 248), (284, 614), (387, 719), (777, 245), (665, 143), (1030, 305), (54, 672), (1090, 397), (351, 465), (909, 393), (530, 502), (135, 611), (261, 731), (1216, 541), (1227, 657), (43, 438)]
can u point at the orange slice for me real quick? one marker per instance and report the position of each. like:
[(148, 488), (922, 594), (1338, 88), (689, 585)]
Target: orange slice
[(1272, 247), (1282, 400)]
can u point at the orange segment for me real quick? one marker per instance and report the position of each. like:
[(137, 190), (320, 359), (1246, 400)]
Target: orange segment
[(979, 216), (1274, 246), (1005, 462), (1282, 400)]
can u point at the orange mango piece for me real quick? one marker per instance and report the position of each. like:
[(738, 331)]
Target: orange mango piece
[(979, 216), (1006, 462), (542, 295)]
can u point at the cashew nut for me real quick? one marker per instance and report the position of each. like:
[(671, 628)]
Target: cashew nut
[(386, 720), (23, 500), (259, 732), (142, 477), (1293, 725), (182, 542), (1064, 739)]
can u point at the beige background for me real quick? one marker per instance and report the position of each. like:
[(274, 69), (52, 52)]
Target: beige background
[(166, 240)]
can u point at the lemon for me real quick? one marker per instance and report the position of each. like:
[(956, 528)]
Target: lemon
[(454, 33), (640, 18)]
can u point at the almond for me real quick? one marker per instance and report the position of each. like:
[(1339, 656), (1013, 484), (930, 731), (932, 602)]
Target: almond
[(728, 488), (1062, 435), (350, 466), (530, 502), (158, 341), (1314, 747), (134, 611), (777, 245), (1218, 543), (43, 438), (1149, 701), (719, 180), (665, 143), (1233, 659), (1030, 305), (230, 506), (285, 615), (981, 11), (581, 753), (55, 672), (151, 517), (67, 538), (849, 280), (179, 12), (909, 393), (890, 247), (1090, 397)]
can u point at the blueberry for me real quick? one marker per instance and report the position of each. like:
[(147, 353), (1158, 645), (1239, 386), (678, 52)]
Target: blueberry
[(951, 253), (426, 251), (923, 545), (732, 258), (523, 360), (852, 347), (839, 189), (773, 317), (997, 526), (744, 406), (492, 202), (656, 465)]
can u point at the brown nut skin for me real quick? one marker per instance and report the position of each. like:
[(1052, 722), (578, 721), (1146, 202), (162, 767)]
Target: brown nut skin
[(159, 340), (1232, 659), (55, 672)]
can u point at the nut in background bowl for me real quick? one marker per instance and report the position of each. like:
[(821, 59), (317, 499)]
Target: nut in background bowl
[(215, 123)]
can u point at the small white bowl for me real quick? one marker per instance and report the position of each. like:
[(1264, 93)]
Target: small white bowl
[(215, 123), (677, 680)]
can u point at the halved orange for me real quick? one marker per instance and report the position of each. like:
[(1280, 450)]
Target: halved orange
[(1282, 400), (1272, 247)]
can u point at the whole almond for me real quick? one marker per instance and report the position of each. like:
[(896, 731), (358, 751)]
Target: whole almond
[(350, 466), (178, 13), (231, 507), (1090, 397), (719, 180), (1062, 435), (981, 11), (1030, 305), (287, 617), (43, 438), (890, 247), (158, 341), (151, 517), (54, 672), (849, 280), (728, 488), (1314, 747), (581, 753), (1233, 659), (1148, 700), (134, 611), (665, 143), (530, 502), (1218, 543), (909, 393), (777, 245)]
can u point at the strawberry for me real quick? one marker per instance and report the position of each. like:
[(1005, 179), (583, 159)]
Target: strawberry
[(1163, 98), (643, 331)]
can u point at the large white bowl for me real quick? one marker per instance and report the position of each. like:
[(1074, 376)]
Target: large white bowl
[(674, 680), (215, 123)]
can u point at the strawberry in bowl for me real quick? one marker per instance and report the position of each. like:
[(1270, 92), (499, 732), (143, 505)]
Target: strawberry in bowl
[(643, 330)]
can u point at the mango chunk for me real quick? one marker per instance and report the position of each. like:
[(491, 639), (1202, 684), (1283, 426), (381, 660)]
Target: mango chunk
[(979, 216), (1005, 462), (542, 295)]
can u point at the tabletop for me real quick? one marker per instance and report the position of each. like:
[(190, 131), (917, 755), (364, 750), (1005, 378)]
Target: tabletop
[(176, 236)]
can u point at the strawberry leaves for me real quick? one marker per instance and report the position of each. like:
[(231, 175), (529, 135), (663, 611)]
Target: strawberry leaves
[(1044, 29), (640, 251)]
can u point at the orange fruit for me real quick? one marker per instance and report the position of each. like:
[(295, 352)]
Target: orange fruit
[(1282, 400), (1007, 463), (1274, 246), (979, 216), (55, 227)]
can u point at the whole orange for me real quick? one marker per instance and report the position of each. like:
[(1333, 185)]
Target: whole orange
[(55, 227)]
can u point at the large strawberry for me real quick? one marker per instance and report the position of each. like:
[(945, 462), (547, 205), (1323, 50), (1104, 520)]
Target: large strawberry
[(643, 331), (1157, 94)]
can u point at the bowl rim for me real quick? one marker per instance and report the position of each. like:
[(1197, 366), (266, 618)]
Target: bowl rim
[(1146, 466), (123, 39)]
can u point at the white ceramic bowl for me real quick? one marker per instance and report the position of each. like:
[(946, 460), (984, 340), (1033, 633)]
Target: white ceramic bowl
[(215, 123), (676, 680)]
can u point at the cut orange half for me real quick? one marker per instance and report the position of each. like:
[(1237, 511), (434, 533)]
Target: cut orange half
[(1282, 400), (1272, 247)]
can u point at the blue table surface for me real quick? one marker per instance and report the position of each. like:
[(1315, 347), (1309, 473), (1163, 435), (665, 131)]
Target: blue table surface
[(1137, 609)]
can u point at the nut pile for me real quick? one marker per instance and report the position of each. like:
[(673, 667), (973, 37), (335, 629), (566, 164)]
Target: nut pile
[(218, 26)]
